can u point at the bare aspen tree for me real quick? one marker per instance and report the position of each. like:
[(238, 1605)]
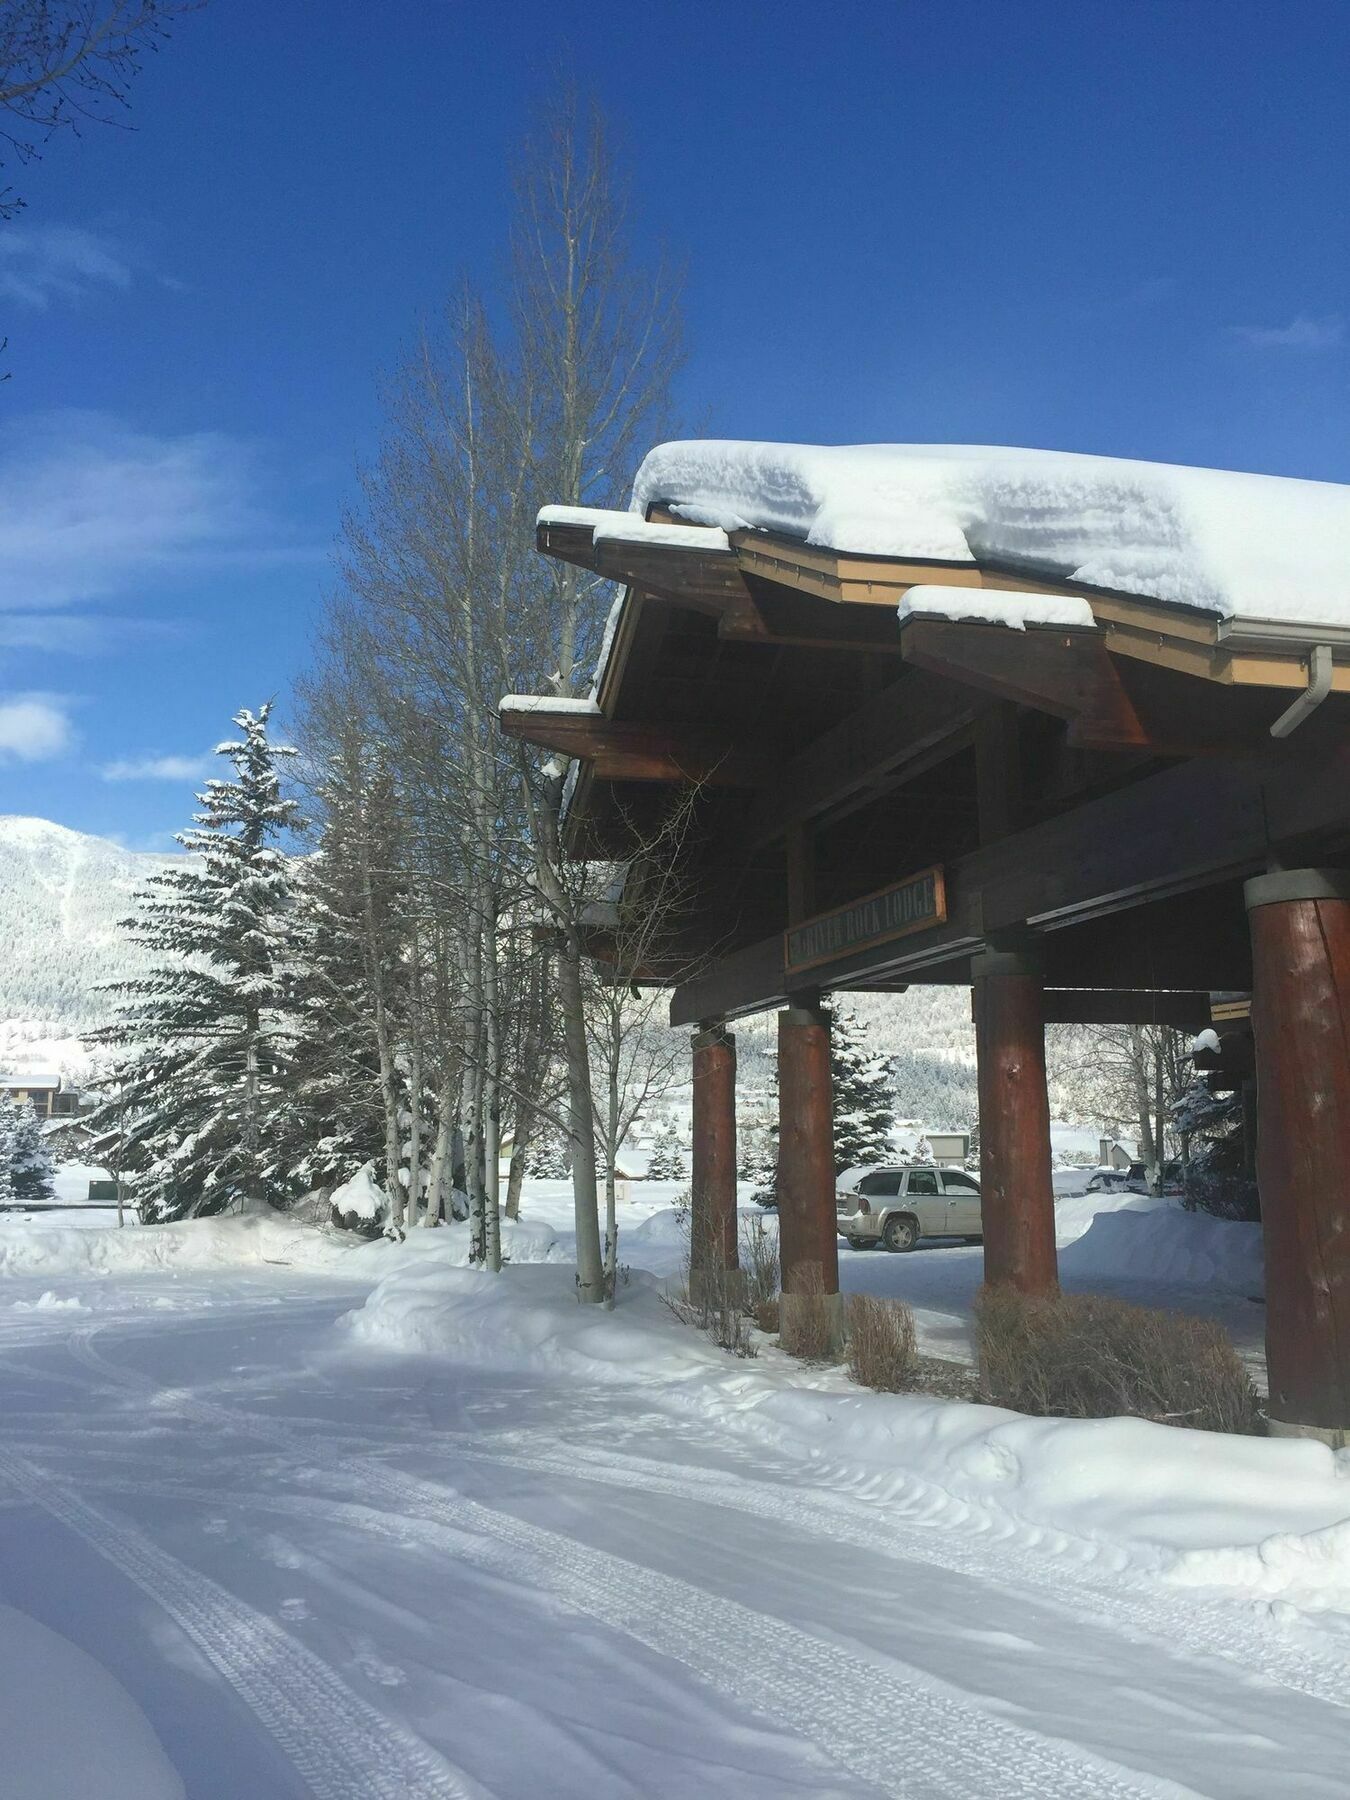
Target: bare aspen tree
[(64, 63), (445, 606)]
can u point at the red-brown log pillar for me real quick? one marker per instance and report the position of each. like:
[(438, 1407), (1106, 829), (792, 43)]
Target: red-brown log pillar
[(712, 1213), (1017, 1193), (1300, 926), (808, 1238)]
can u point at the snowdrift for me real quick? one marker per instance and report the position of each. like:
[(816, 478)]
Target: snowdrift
[(1162, 1242), (241, 1242), (1268, 1515), (69, 1727)]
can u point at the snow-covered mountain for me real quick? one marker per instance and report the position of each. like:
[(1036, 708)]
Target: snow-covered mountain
[(62, 893)]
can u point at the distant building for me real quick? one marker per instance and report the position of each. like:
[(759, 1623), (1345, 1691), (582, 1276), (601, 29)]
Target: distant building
[(1112, 1155), (52, 1097)]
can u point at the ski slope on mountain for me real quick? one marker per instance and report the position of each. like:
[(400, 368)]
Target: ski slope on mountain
[(62, 894)]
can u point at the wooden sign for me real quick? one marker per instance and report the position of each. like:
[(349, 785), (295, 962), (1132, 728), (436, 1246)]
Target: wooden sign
[(911, 905)]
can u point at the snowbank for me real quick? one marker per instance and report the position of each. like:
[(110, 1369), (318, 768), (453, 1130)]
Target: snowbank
[(1272, 1515), (69, 1727), (530, 1323), (252, 1240), (1075, 1212), (1164, 1243), (1260, 545)]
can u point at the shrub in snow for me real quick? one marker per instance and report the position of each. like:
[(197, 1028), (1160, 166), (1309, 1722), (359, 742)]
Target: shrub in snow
[(760, 1270), (882, 1348), (360, 1205), (1083, 1356)]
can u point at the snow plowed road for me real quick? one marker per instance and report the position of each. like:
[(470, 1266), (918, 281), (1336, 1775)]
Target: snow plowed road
[(341, 1574)]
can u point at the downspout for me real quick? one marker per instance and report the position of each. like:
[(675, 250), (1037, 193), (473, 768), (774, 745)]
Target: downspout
[(1319, 686)]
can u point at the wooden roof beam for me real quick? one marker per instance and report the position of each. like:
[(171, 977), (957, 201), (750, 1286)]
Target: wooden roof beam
[(905, 728), (1070, 674), (622, 750)]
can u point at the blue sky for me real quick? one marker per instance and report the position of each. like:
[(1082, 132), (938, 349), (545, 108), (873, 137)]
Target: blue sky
[(1104, 225)]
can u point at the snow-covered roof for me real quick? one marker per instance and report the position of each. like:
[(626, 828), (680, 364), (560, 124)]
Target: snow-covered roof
[(31, 1082), (1234, 545), (633, 530), (991, 607), (550, 703)]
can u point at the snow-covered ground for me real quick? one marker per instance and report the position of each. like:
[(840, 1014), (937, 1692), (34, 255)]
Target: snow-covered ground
[(347, 1521)]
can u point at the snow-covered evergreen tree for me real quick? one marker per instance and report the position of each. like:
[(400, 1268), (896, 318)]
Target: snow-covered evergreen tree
[(8, 1129), (667, 1158), (548, 1157), (30, 1162), (864, 1100), (197, 1090), (758, 1154), (349, 902)]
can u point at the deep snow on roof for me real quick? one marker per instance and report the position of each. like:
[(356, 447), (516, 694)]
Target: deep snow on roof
[(1254, 546)]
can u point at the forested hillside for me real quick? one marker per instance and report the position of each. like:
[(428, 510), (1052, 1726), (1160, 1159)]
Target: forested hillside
[(61, 895)]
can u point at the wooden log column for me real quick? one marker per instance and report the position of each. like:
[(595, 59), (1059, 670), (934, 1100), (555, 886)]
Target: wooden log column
[(712, 1222), (807, 1230), (1300, 926), (1017, 1193)]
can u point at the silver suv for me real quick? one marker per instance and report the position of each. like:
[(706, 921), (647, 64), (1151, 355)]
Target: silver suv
[(897, 1207)]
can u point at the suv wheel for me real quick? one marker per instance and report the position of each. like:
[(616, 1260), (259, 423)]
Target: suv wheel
[(899, 1232)]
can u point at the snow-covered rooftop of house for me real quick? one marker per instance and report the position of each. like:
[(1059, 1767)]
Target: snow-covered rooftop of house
[(1235, 545)]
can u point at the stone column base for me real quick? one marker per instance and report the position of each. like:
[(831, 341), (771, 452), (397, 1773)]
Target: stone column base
[(1335, 1437), (802, 1317)]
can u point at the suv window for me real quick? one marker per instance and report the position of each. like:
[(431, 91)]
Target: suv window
[(954, 1182), (883, 1186), (923, 1181)]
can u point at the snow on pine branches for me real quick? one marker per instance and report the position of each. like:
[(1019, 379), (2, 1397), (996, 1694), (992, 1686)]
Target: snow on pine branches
[(196, 1096), (864, 1099), (25, 1155)]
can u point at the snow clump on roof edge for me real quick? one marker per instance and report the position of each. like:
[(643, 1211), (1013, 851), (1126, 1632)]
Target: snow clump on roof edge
[(1259, 546)]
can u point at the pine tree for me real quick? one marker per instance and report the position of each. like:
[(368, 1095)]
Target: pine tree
[(350, 908), (30, 1156), (667, 1158), (206, 1037), (548, 1157), (864, 1099), (8, 1128)]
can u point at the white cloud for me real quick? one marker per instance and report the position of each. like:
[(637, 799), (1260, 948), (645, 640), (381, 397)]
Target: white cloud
[(1301, 333), (42, 263), (33, 728), (158, 768), (89, 507)]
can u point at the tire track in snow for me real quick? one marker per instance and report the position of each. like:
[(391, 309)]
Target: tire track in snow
[(1218, 1630), (946, 1743), (341, 1746), (935, 1741)]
